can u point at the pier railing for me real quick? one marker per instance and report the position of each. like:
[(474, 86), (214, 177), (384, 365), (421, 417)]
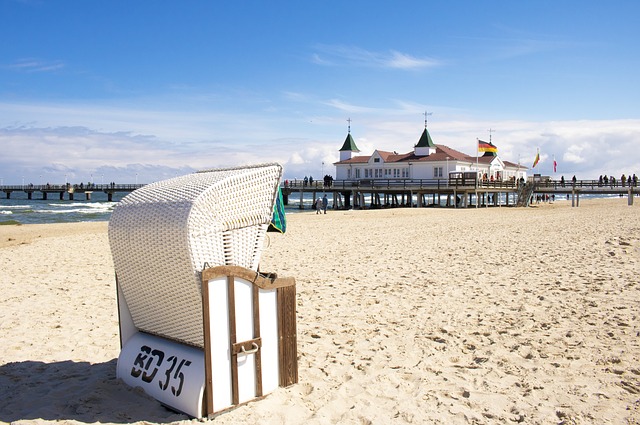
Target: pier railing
[(409, 184), (380, 184), (585, 184), (71, 187), (363, 184)]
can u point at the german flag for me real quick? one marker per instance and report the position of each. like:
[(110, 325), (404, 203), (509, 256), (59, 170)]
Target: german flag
[(486, 147)]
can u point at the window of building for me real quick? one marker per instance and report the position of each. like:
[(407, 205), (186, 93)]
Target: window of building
[(437, 172), (376, 159)]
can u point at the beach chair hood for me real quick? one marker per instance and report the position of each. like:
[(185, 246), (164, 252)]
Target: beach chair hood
[(163, 234)]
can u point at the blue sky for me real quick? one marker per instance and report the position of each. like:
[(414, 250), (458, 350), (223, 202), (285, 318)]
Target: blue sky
[(146, 90)]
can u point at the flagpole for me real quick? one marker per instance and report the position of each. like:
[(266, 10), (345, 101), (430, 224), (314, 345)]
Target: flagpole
[(477, 155), (477, 169)]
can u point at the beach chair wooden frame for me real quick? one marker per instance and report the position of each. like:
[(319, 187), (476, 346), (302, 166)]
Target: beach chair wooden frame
[(263, 291), (201, 330)]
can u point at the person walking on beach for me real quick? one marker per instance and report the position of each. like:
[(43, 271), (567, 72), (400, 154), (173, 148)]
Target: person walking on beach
[(325, 203), (318, 205)]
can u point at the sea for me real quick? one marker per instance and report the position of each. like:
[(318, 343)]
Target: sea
[(21, 210)]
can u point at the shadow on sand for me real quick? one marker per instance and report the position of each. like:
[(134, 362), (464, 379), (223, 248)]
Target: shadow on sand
[(78, 391)]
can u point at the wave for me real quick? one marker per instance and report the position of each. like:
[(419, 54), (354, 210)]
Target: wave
[(16, 207), (96, 205), (77, 210), (8, 212)]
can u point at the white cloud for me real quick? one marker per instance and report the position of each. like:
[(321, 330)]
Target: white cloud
[(574, 154), (356, 56), (295, 159), (120, 144), (405, 61), (318, 60), (348, 107), (34, 65)]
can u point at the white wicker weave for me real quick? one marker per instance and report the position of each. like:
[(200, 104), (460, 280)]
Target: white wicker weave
[(162, 234)]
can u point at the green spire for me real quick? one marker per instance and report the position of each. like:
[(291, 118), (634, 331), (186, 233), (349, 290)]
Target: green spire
[(349, 144), (425, 140)]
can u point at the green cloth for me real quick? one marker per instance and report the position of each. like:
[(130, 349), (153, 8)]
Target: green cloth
[(278, 221)]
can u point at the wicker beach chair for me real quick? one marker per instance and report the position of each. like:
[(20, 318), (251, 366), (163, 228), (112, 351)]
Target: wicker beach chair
[(186, 253)]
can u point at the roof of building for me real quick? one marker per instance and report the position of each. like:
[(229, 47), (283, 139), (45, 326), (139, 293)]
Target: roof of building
[(442, 153), (513, 164), (349, 144), (425, 140)]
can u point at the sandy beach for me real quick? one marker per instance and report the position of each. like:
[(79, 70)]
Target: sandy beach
[(477, 316)]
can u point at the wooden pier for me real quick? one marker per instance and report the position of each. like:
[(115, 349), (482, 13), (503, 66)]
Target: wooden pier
[(460, 191), (70, 190)]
